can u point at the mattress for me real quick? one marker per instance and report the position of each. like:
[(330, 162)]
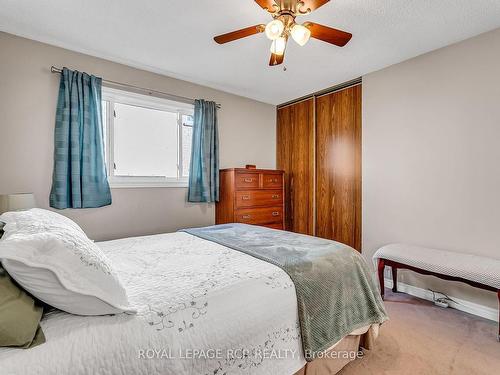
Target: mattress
[(202, 309)]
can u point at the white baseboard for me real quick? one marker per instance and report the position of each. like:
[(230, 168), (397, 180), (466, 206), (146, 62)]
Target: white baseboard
[(462, 305)]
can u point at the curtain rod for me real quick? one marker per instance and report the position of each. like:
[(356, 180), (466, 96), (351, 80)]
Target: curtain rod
[(183, 99)]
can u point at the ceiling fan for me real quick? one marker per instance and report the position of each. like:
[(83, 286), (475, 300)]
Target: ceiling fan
[(283, 26)]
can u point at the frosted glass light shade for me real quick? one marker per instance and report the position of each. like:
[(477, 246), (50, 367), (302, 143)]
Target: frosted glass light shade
[(274, 29), (300, 34), (16, 202), (278, 46)]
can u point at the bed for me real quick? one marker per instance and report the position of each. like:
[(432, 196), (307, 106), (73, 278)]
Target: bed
[(202, 308)]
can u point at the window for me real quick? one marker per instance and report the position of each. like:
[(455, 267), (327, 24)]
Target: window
[(148, 139)]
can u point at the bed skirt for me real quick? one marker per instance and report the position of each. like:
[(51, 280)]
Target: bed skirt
[(341, 353)]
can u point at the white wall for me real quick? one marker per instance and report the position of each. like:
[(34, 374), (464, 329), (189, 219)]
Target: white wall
[(28, 95), (431, 155)]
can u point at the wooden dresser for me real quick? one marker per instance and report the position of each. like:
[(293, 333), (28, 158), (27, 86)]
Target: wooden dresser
[(251, 196)]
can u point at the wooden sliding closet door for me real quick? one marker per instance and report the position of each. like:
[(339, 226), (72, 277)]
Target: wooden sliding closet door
[(338, 166), (295, 155)]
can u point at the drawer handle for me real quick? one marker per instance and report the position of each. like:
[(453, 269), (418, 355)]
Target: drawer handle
[(275, 196), (246, 216), (276, 213), (273, 180), (248, 180), (245, 197)]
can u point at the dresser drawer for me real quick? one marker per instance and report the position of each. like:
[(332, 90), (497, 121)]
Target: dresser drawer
[(247, 180), (252, 198), (263, 215), (274, 226), (272, 181)]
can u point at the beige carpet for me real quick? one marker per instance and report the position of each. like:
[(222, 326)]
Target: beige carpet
[(421, 338)]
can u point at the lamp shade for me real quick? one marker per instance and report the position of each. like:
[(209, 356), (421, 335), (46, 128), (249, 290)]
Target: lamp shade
[(16, 202), (300, 34), (278, 46), (274, 29)]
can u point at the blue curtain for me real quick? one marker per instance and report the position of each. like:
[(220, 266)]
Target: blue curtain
[(204, 169), (79, 179)]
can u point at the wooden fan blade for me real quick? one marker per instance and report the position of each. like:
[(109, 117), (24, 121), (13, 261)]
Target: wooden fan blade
[(238, 34), (328, 34), (268, 5), (276, 59), (310, 5)]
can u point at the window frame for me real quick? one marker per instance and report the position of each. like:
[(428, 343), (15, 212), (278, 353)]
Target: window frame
[(111, 96)]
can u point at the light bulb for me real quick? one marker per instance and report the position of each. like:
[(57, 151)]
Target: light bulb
[(278, 46), (274, 29), (300, 34)]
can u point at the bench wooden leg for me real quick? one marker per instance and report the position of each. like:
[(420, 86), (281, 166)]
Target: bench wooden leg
[(394, 279), (381, 267)]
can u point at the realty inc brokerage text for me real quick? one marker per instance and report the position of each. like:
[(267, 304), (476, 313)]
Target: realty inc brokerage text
[(241, 353)]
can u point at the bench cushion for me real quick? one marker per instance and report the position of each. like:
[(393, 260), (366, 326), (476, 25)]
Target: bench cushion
[(467, 266)]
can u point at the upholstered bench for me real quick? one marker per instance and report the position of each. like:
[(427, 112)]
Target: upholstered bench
[(477, 271)]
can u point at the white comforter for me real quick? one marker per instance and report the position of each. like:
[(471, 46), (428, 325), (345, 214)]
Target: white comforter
[(202, 309)]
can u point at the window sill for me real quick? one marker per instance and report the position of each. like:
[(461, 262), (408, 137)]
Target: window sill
[(141, 184)]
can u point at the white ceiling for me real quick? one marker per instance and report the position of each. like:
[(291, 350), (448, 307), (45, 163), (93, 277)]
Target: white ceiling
[(174, 37)]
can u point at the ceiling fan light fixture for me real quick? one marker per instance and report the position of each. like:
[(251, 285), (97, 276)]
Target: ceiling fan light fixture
[(274, 29), (300, 34), (283, 27), (278, 46)]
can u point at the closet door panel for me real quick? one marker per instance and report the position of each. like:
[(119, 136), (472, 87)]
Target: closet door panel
[(283, 155), (295, 155), (338, 166)]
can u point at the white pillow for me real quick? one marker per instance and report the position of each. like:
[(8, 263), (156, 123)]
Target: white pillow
[(50, 256)]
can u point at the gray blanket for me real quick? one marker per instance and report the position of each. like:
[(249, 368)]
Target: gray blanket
[(336, 290)]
